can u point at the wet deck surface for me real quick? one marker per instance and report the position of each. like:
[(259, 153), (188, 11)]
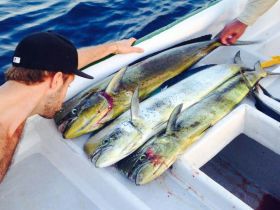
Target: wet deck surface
[(249, 171)]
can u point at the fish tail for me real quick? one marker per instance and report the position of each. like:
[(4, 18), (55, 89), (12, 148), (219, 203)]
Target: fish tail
[(238, 43), (259, 69), (267, 93)]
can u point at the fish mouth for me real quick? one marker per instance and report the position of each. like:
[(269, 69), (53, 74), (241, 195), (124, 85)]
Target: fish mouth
[(96, 119), (95, 157), (110, 156), (64, 126), (104, 158), (141, 177), (120, 148), (136, 170)]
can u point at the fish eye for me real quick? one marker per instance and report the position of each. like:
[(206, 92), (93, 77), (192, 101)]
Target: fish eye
[(142, 157), (106, 141), (74, 111)]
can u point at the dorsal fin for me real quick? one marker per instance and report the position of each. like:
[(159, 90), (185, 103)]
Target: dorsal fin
[(237, 59), (186, 42), (135, 105), (258, 67), (259, 70), (115, 83), (171, 125)]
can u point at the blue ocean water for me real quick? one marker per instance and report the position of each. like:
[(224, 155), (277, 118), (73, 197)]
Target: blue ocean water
[(86, 23)]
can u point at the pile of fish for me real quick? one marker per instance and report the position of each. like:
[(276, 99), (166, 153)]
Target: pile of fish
[(146, 140), (133, 128), (160, 152), (91, 110), (135, 140)]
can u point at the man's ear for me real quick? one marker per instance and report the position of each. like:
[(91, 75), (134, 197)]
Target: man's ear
[(56, 81)]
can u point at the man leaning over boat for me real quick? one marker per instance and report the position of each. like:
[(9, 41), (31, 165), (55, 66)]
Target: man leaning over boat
[(253, 10), (43, 66)]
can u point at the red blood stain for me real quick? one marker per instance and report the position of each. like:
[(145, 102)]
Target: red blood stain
[(110, 102), (154, 158), (269, 202)]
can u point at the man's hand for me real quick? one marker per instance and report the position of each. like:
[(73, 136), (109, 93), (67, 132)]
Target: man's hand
[(88, 55), (232, 31), (124, 46)]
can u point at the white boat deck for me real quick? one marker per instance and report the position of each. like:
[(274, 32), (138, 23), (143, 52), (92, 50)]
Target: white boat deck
[(49, 172)]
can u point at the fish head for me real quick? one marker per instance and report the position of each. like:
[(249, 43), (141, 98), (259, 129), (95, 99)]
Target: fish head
[(87, 116), (119, 143), (148, 162)]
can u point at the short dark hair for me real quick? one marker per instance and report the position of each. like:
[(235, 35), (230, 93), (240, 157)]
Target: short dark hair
[(29, 76)]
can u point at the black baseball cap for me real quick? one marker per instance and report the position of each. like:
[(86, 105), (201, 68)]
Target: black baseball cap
[(48, 51)]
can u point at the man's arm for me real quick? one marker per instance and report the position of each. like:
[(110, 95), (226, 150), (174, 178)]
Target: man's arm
[(253, 10), (88, 55)]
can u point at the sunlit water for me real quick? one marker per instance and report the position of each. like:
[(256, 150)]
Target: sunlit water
[(86, 22)]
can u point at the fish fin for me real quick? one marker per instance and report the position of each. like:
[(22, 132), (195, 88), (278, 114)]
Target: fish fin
[(199, 68), (203, 38), (115, 83), (256, 90), (237, 59), (171, 125), (239, 42), (265, 108), (259, 69), (190, 41), (159, 127), (135, 105), (267, 93), (246, 81), (273, 74)]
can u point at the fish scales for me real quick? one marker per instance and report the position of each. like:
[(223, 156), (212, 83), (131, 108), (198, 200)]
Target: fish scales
[(154, 113), (160, 152), (148, 75)]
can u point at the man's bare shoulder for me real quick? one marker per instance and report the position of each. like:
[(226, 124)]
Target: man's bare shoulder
[(10, 140), (6, 95), (3, 131), (5, 134), (12, 110)]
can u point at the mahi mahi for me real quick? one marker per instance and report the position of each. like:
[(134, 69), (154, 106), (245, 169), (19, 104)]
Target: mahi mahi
[(161, 151), (102, 106), (132, 129)]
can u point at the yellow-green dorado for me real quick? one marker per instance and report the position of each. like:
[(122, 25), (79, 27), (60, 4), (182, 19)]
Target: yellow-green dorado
[(133, 128), (184, 128), (97, 108)]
